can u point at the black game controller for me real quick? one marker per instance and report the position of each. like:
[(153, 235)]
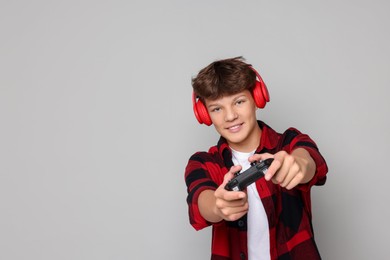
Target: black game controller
[(244, 179)]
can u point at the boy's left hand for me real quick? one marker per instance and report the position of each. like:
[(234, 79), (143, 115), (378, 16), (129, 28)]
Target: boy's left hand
[(288, 170)]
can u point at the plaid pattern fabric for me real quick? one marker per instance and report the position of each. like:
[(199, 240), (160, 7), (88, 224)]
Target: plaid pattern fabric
[(288, 211)]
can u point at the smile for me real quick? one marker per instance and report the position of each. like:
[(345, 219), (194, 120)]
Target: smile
[(234, 128)]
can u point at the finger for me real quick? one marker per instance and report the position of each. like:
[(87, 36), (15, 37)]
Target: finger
[(234, 210), (233, 195), (235, 216), (222, 193), (237, 204), (292, 173), (294, 182), (287, 162), (260, 157), (273, 169), (230, 174)]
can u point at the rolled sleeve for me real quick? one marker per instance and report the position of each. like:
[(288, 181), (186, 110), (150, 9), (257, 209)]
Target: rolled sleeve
[(197, 178), (304, 141)]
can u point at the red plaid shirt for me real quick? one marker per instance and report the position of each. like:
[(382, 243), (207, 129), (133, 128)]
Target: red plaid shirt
[(288, 211)]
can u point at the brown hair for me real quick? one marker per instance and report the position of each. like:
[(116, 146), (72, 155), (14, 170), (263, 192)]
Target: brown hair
[(224, 77)]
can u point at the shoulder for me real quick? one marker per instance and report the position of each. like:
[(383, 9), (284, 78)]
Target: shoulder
[(294, 137), (286, 140), (289, 134), (272, 139)]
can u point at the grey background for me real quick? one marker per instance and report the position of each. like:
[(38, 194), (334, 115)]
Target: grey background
[(97, 124)]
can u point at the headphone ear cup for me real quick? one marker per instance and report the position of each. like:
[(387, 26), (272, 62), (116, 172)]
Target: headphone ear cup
[(260, 91), (258, 95), (200, 111), (203, 113), (265, 92)]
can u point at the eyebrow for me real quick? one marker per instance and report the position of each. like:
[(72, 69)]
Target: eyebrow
[(234, 99), (213, 105)]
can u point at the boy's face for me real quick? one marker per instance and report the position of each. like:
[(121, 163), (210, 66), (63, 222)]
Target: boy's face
[(234, 118)]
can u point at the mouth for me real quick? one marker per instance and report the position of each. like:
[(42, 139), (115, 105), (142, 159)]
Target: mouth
[(234, 128)]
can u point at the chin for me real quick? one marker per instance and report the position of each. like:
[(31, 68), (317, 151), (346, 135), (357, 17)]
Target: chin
[(237, 140)]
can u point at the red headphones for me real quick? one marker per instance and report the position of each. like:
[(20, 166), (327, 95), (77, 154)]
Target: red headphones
[(260, 95)]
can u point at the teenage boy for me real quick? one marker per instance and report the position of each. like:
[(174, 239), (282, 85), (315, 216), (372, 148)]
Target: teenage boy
[(271, 219)]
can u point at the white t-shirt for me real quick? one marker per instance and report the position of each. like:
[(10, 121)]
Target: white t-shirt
[(258, 230)]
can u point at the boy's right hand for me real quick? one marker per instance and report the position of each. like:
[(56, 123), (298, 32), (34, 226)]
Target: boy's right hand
[(230, 205)]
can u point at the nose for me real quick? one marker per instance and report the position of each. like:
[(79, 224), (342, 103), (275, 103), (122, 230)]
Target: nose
[(230, 115)]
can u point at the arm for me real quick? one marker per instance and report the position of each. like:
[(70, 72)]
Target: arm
[(289, 170)]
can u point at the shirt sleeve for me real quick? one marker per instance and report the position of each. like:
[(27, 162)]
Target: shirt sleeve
[(294, 139), (198, 178)]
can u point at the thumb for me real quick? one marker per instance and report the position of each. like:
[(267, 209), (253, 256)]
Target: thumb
[(231, 173), (260, 157)]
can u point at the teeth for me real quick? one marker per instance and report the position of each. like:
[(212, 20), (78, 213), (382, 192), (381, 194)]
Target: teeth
[(234, 127)]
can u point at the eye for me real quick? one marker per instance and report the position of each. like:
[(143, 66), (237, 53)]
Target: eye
[(215, 109), (240, 101)]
